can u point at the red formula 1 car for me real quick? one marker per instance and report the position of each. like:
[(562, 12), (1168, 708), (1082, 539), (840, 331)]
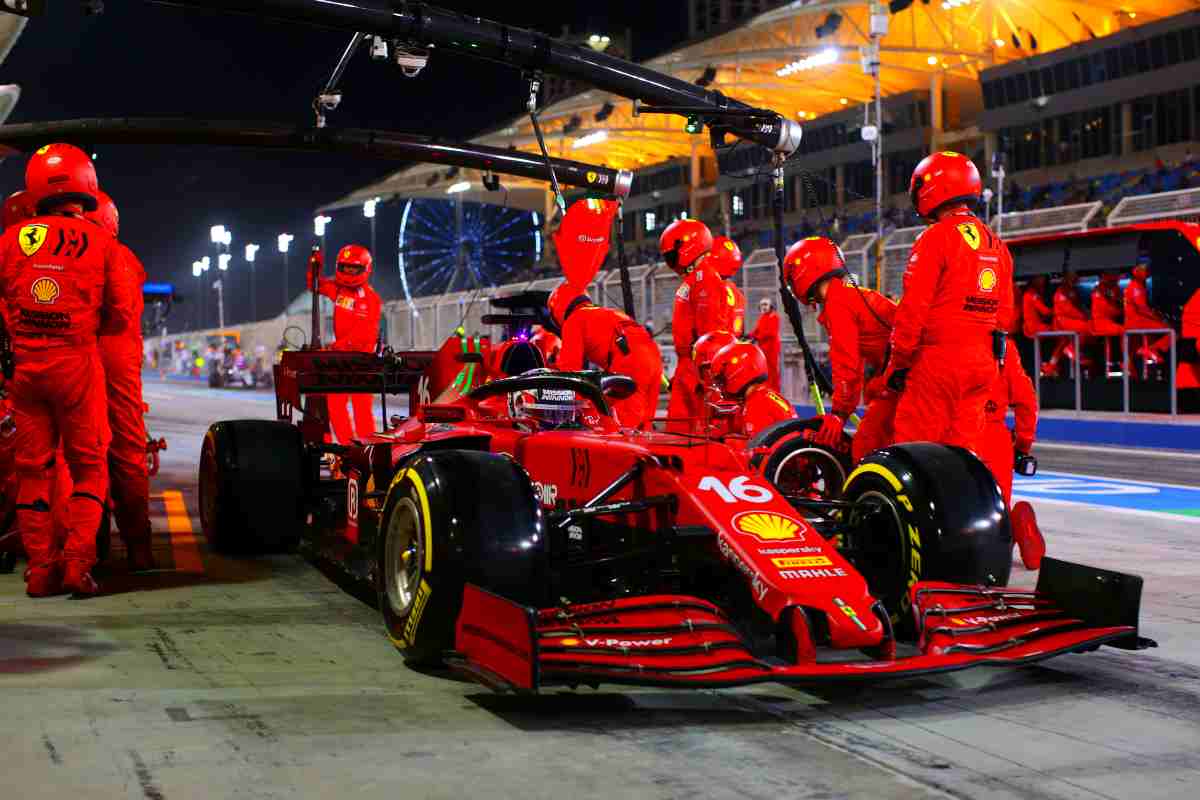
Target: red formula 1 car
[(515, 532)]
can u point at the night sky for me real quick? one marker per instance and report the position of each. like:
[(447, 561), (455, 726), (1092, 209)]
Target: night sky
[(140, 59)]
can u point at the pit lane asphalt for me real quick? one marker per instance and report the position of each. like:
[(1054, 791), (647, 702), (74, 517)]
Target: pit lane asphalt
[(260, 679)]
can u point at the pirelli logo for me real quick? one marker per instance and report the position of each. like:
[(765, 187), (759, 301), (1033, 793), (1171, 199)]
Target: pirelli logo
[(802, 562)]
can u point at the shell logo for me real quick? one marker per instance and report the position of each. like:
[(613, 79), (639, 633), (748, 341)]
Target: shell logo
[(45, 291), (768, 526), (987, 280)]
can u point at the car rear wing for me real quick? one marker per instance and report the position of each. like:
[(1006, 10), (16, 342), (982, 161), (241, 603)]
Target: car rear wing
[(680, 641), (304, 377)]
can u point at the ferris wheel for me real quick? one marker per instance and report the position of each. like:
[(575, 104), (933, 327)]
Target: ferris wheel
[(449, 246)]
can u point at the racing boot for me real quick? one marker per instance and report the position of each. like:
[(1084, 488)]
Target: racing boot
[(44, 576), (78, 580), (86, 511), (1027, 535)]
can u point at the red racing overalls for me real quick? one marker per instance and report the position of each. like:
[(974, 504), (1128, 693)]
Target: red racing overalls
[(356, 313), (957, 292), (121, 355), (766, 336), (858, 323), (615, 343), (64, 281), (702, 305)]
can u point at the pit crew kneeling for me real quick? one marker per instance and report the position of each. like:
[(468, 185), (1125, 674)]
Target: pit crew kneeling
[(612, 341)]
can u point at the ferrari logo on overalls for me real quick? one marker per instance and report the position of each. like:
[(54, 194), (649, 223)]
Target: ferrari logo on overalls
[(45, 291), (729, 297), (970, 234), (32, 237), (345, 302)]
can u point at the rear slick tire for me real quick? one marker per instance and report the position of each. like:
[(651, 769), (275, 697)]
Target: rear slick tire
[(925, 512), (251, 486)]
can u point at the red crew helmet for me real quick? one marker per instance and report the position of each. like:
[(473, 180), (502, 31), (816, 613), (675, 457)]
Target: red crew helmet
[(353, 266), (737, 367), (61, 173), (683, 242), (18, 208), (706, 348), (810, 261), (943, 179), (106, 214), (564, 300), (725, 257)]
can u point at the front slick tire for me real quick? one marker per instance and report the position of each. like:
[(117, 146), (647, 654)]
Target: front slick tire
[(925, 512), (452, 517)]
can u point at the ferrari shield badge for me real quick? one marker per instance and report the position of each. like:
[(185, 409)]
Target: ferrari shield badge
[(32, 237), (970, 234)]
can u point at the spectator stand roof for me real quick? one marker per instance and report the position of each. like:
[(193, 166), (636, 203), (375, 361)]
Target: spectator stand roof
[(950, 39)]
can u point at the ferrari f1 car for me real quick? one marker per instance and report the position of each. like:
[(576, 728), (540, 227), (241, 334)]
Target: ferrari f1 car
[(513, 531)]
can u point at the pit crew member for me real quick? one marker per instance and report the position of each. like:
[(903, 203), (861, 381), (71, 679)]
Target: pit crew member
[(726, 258), (999, 447), (946, 338), (766, 336), (701, 306), (739, 372), (64, 281), (356, 312), (859, 323), (1140, 316), (614, 343), (121, 354)]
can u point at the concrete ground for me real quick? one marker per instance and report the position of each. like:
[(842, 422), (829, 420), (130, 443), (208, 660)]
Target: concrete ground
[(217, 678)]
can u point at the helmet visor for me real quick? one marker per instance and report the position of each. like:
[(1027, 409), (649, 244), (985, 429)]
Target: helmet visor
[(347, 268)]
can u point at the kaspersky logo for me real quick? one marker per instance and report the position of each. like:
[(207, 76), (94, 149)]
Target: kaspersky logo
[(621, 644)]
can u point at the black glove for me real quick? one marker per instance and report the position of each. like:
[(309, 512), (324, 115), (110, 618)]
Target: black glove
[(897, 379)]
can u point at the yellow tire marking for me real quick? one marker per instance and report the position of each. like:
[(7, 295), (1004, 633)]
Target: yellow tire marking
[(882, 472), (185, 550)]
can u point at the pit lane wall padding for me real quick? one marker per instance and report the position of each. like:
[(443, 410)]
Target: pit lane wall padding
[(1117, 430)]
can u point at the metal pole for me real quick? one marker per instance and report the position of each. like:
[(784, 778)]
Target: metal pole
[(878, 169), (253, 297), (1125, 370), (1000, 200), (1174, 393), (373, 255), (1078, 373), (287, 298), (1037, 373), (220, 287)]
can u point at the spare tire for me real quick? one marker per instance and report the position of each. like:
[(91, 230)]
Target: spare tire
[(924, 512), (252, 486)]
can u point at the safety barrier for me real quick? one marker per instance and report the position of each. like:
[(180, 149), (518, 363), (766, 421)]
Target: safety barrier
[(1060, 219), (1037, 364), (1182, 204), (1076, 371), (1125, 364)]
